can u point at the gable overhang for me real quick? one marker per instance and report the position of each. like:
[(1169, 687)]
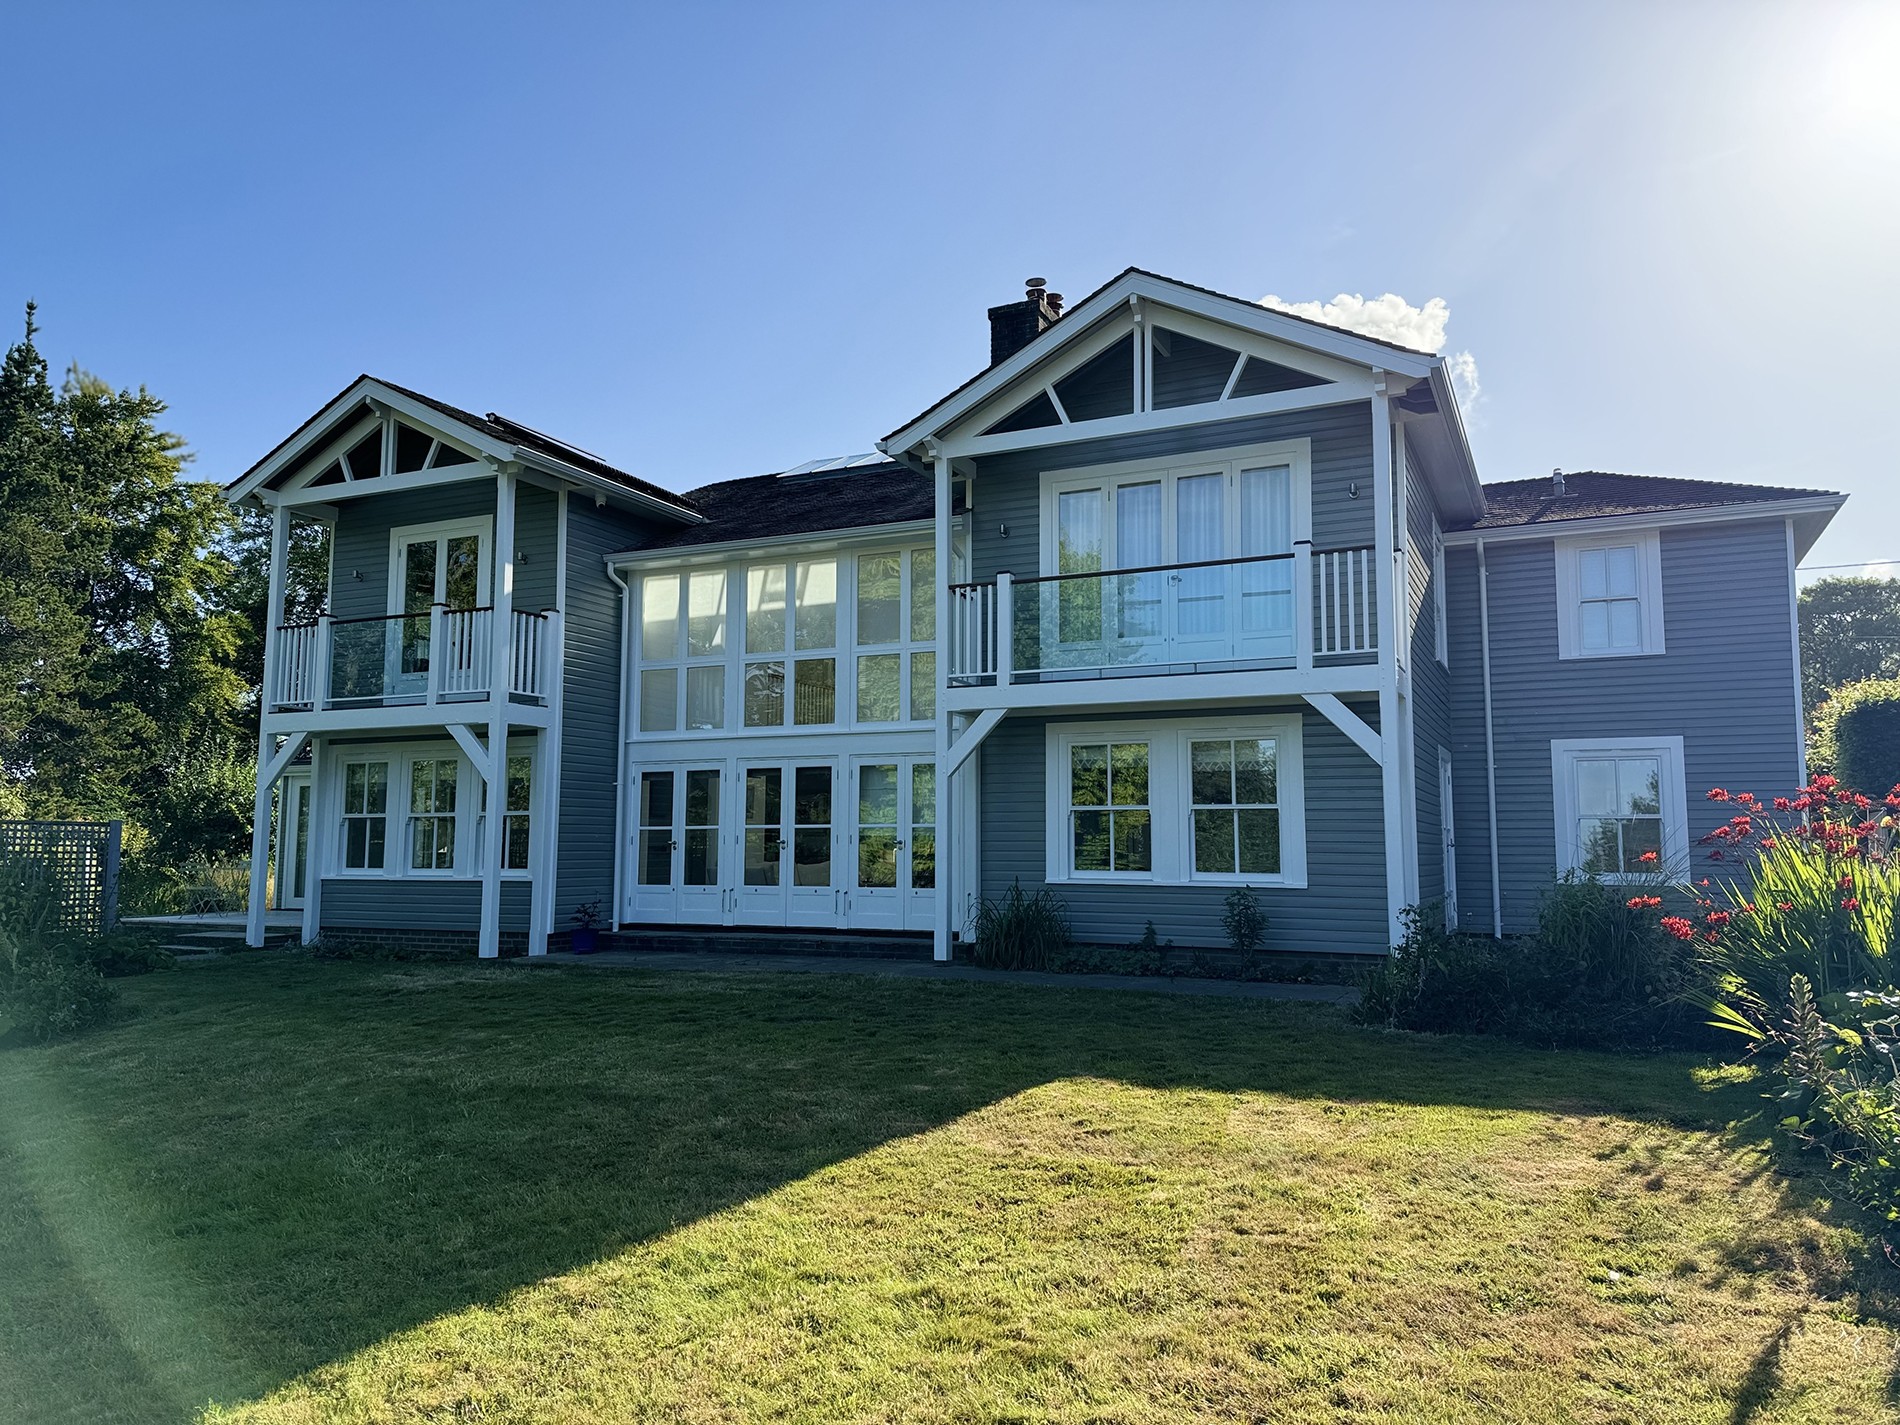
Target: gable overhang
[(346, 418), (1353, 368), (1809, 516)]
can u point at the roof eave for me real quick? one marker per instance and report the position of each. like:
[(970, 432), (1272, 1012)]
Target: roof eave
[(1264, 321), (1810, 514)]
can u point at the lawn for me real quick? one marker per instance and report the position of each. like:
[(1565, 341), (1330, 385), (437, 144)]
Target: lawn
[(285, 1190)]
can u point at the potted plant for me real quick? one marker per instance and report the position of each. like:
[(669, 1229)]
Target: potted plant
[(585, 937)]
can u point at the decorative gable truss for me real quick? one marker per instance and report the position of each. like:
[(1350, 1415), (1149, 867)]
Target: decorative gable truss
[(376, 448), (1147, 366)]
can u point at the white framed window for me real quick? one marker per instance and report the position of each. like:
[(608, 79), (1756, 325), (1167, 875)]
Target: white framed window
[(1180, 801), (432, 797), (365, 815), (1441, 632), (1621, 809), (1609, 595), (896, 625), (440, 830)]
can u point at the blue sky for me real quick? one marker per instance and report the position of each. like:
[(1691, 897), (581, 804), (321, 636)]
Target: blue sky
[(716, 240)]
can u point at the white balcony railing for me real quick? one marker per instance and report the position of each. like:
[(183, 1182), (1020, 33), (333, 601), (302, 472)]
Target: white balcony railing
[(396, 660), (1182, 617)]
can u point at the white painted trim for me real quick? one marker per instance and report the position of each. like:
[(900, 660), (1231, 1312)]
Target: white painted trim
[(624, 789), (778, 547), (1648, 546), (1173, 418), (332, 454), (385, 485), (1388, 538), (482, 526), (1169, 689), (1441, 618), (1169, 799), (1163, 293), (1364, 736), (317, 846), (943, 917), (981, 726), (1616, 524), (1672, 797)]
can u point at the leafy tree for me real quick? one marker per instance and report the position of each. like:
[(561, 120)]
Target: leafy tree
[(119, 646), (1850, 631)]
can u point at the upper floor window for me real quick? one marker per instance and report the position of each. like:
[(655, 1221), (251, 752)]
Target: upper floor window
[(1609, 596), (807, 642)]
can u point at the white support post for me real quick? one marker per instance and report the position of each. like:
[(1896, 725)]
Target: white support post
[(1305, 636), (260, 845), (317, 851), (261, 803), (946, 790), (1005, 634), (500, 640), (1385, 536), (541, 799)]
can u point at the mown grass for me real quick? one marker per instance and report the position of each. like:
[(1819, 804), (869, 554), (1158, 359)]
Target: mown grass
[(292, 1191)]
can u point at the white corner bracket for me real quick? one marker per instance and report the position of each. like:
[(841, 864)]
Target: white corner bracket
[(1350, 723)]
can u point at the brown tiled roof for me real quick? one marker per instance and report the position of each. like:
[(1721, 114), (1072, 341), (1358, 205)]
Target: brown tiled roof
[(500, 428), (1596, 494)]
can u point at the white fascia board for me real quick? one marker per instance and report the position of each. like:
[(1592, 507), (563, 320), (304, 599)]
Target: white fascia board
[(811, 542), (1608, 524), (1454, 418), (1249, 316), (365, 391)]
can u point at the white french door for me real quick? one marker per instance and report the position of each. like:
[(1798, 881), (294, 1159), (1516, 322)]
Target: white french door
[(446, 564), (893, 843), (293, 842)]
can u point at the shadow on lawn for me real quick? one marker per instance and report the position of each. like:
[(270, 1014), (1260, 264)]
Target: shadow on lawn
[(281, 1162)]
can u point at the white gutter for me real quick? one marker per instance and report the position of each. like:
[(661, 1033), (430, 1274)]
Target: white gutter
[(1655, 519), (1490, 742)]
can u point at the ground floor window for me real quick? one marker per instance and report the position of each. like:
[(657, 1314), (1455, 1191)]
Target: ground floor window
[(1177, 801), (1621, 811), (365, 814), (433, 835)]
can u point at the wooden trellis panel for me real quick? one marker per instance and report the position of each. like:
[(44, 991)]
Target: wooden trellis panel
[(80, 861)]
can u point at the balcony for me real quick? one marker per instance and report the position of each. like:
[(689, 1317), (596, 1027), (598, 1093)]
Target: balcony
[(442, 657), (1299, 610)]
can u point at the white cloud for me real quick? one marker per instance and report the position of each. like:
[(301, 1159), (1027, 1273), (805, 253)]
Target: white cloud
[(1389, 318), (1392, 318), (1883, 569)]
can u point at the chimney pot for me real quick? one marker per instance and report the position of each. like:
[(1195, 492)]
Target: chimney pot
[(1015, 324), (1557, 481)]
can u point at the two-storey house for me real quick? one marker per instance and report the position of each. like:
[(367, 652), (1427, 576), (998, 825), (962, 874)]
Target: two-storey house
[(1179, 594)]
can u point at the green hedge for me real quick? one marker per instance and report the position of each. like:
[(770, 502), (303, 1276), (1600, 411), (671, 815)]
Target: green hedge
[(1857, 735)]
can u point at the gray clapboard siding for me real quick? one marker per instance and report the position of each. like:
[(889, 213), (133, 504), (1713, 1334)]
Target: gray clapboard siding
[(417, 903), (1341, 910), (1431, 714), (1008, 487), (360, 565), (590, 714), (1724, 685)]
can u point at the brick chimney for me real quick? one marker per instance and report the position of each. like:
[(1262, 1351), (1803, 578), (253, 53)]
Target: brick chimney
[(1014, 325)]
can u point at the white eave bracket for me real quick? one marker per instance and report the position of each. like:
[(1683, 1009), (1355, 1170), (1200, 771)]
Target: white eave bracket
[(1350, 723)]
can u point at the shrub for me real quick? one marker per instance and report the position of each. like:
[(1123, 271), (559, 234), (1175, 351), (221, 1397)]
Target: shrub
[(1599, 971), (1022, 932), (50, 995), (1244, 922), (1799, 939), (1857, 734)]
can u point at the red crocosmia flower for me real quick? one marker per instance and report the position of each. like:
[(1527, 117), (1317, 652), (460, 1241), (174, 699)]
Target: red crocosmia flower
[(1711, 936), (1768, 843), (1705, 880), (1749, 909), (1846, 883), (1745, 797), (1862, 803), (1850, 853), (1718, 855), (1784, 906), (1716, 794), (1782, 804), (1648, 858), (1678, 927), (1851, 903), (1823, 782), (1644, 902)]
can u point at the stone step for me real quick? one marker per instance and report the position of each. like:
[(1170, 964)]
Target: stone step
[(725, 941)]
